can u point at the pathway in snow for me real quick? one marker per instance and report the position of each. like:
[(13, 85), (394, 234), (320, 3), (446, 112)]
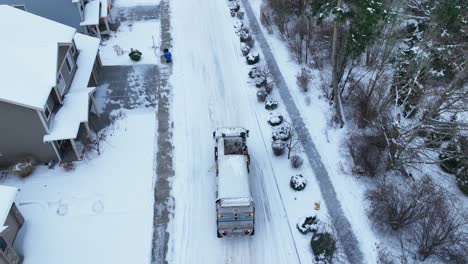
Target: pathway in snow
[(347, 237), (164, 170)]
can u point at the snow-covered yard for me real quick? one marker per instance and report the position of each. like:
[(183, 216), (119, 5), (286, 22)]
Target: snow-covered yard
[(99, 213), (130, 3), (141, 35)]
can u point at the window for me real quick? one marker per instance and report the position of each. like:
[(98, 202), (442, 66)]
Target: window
[(47, 112), (69, 63), (60, 83), (72, 49)]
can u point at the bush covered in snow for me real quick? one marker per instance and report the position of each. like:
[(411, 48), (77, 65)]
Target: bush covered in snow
[(261, 96), (260, 82), (245, 49), (296, 161), (298, 182), (24, 167), (268, 87), (275, 119), (135, 55), (324, 247), (453, 159), (271, 104), (245, 35), (278, 146), (307, 224), (255, 72), (281, 133), (253, 58)]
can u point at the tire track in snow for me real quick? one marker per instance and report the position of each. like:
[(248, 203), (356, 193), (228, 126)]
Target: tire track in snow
[(342, 224)]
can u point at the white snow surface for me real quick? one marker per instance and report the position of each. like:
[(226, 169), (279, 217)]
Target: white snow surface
[(66, 123), (233, 178), (104, 10), (7, 197), (91, 13), (133, 35), (99, 213), (28, 68), (131, 3)]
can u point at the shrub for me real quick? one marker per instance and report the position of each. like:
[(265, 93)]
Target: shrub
[(67, 165), (23, 168), (245, 49), (298, 182), (324, 246), (307, 224), (275, 119), (135, 55), (261, 96), (278, 147), (271, 104), (281, 133), (462, 181), (255, 72), (296, 161), (368, 153), (244, 35), (268, 87), (303, 79), (260, 82), (253, 58), (234, 6)]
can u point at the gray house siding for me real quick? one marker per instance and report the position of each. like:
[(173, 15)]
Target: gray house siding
[(22, 133), (62, 11)]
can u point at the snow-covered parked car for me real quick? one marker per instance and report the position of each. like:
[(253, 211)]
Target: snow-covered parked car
[(235, 207)]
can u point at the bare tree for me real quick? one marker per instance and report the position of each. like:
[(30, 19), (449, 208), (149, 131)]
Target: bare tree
[(303, 79), (339, 119)]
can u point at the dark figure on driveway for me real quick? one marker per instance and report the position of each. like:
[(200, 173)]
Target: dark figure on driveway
[(168, 56)]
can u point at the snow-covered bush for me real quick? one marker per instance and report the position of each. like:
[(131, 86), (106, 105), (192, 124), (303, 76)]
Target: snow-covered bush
[(234, 5), (296, 161), (307, 224), (303, 79), (135, 54), (255, 72), (238, 26), (324, 247), (281, 133), (275, 119), (260, 82), (245, 49), (278, 146), (24, 167), (245, 35), (298, 182), (453, 159), (240, 15), (253, 58), (268, 87), (261, 96), (271, 104)]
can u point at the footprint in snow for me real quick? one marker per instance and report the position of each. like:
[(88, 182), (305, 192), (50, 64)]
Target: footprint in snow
[(98, 207)]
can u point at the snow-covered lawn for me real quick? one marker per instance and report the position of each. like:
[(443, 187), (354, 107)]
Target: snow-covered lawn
[(141, 35), (329, 143), (99, 213), (130, 3)]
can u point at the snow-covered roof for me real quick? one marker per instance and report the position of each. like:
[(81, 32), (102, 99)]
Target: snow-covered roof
[(91, 13), (103, 8), (88, 49), (74, 111), (7, 197), (28, 68), (233, 178)]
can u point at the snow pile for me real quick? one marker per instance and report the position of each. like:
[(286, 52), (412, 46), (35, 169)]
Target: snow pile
[(281, 133)]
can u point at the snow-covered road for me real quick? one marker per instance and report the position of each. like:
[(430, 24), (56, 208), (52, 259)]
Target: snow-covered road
[(210, 91)]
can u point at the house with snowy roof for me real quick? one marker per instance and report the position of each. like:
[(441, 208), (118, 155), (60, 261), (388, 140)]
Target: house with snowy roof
[(48, 74), (91, 17), (11, 221)]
